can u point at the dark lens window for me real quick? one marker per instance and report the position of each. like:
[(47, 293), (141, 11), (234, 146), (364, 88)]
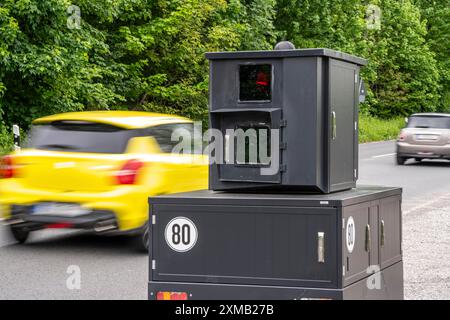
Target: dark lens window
[(255, 82)]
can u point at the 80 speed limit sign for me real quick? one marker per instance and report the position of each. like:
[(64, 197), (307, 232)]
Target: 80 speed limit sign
[(181, 234), (350, 234)]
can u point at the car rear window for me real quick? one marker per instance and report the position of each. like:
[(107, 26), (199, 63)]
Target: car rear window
[(429, 122), (75, 136)]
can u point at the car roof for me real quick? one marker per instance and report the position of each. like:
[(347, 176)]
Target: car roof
[(431, 114), (121, 119)]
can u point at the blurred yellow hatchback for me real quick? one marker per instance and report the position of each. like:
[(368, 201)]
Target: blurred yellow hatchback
[(95, 171)]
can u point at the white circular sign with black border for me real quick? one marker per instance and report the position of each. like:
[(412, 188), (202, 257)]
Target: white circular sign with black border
[(181, 234), (350, 234)]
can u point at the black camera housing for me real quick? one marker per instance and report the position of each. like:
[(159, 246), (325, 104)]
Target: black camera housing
[(309, 96)]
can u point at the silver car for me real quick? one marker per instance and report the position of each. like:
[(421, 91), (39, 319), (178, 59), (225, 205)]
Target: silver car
[(426, 136)]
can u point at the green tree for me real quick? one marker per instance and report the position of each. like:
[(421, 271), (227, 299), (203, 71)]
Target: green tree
[(149, 54), (407, 74), (163, 52), (45, 66), (437, 17), (402, 75), (130, 54)]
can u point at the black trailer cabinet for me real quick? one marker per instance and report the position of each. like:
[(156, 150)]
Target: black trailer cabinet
[(218, 245), (310, 96)]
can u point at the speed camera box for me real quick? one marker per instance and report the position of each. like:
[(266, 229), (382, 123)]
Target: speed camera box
[(221, 245), (288, 118)]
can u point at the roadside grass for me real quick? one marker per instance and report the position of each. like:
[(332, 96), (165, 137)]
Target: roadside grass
[(373, 129)]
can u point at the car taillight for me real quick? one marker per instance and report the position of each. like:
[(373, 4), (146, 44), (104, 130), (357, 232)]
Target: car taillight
[(171, 295), (6, 168), (402, 137), (129, 172)]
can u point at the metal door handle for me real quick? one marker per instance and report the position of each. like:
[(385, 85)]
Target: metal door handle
[(382, 233), (368, 238), (321, 247), (333, 124)]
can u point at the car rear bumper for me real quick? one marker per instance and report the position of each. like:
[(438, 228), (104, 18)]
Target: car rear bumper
[(128, 204), (98, 221), (423, 151)]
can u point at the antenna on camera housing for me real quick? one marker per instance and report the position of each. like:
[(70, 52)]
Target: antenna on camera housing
[(284, 45)]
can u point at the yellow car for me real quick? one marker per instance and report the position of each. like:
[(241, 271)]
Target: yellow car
[(95, 171)]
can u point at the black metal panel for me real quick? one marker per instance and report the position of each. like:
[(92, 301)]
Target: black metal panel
[(303, 110), (343, 106), (391, 280), (357, 260), (338, 199), (390, 231), (249, 245), (374, 221)]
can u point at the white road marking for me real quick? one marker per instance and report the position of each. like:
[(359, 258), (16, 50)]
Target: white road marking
[(426, 204), (383, 155), (377, 142)]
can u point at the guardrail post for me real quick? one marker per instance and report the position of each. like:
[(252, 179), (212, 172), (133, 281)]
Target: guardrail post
[(16, 132)]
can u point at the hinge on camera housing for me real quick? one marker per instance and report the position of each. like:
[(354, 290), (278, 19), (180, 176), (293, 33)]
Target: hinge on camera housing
[(283, 123)]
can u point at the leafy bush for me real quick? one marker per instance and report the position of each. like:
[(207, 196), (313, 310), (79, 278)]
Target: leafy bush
[(402, 76), (149, 55), (6, 139)]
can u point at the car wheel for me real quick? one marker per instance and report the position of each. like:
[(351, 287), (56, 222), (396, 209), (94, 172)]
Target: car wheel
[(20, 234), (401, 160), (143, 240), (418, 159)]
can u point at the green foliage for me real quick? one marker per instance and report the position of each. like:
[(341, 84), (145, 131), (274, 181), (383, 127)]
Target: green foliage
[(45, 67), (437, 17), (407, 74), (6, 139), (149, 54), (143, 54), (402, 75)]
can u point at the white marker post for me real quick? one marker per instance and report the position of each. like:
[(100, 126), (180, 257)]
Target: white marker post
[(16, 132)]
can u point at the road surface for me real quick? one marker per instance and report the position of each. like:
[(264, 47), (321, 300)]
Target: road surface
[(110, 269)]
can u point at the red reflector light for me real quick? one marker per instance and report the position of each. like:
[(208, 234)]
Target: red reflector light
[(6, 168), (164, 295), (128, 173), (59, 225), (179, 296)]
